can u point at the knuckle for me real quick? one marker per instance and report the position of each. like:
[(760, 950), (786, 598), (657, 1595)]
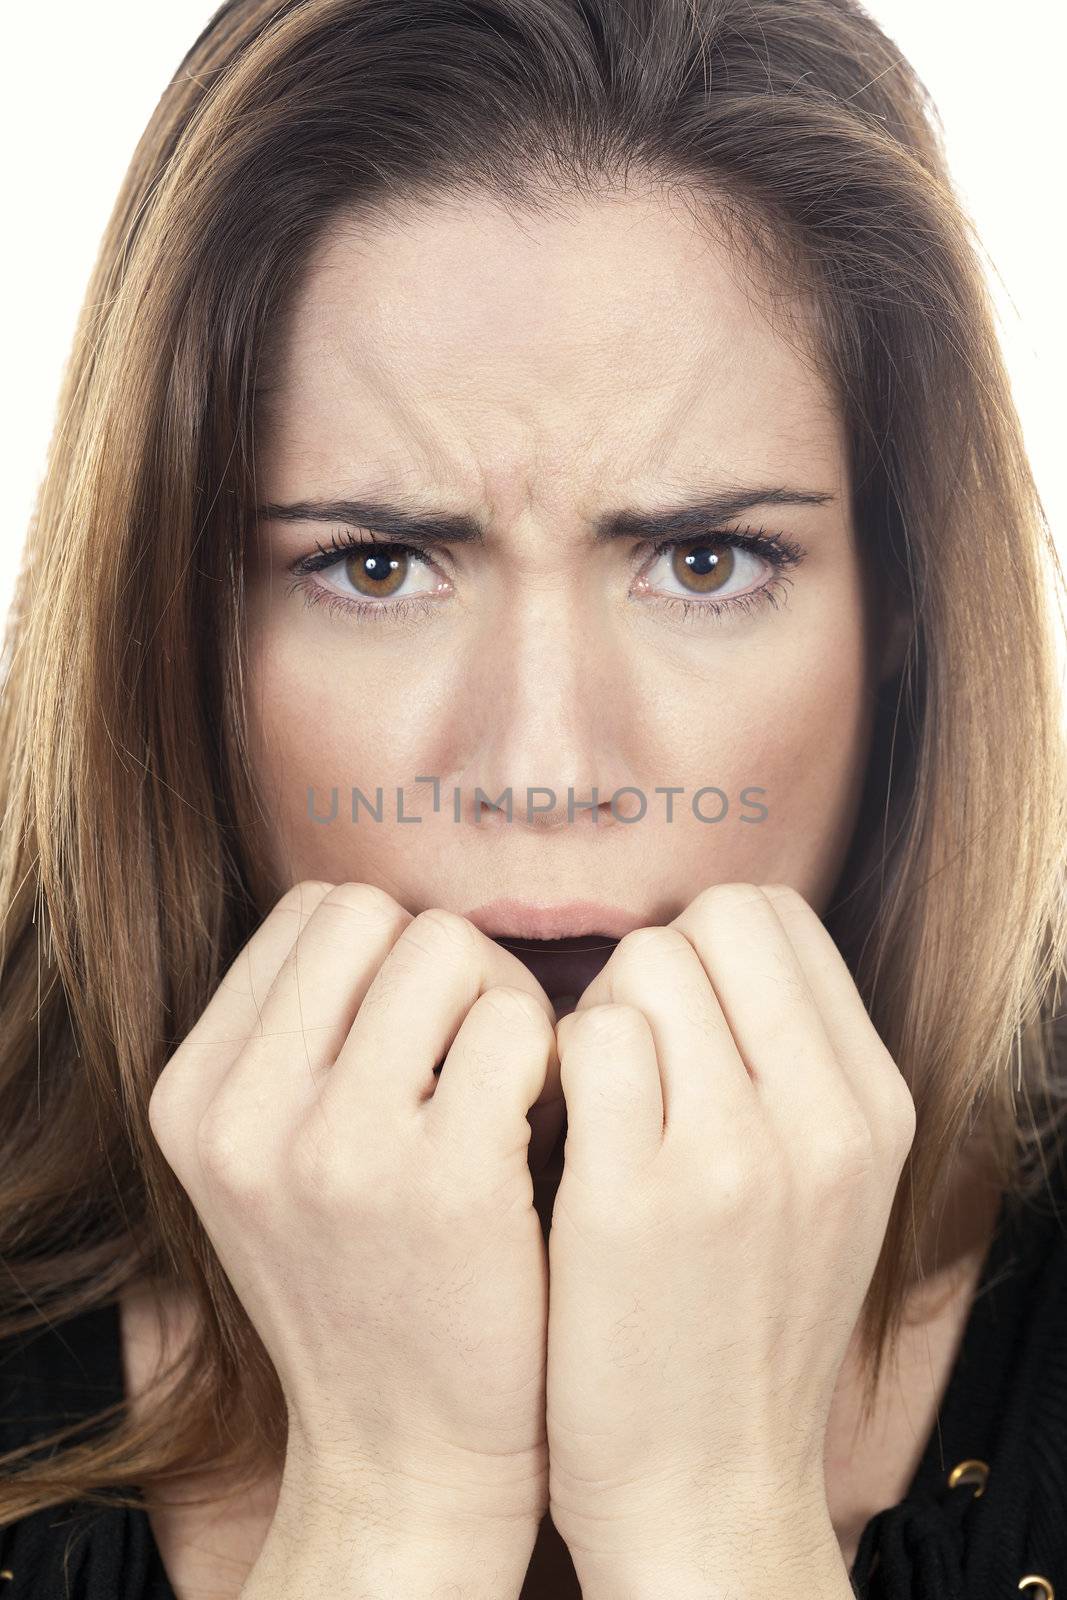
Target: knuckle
[(726, 1184), (844, 1148), (617, 1092), (328, 1175), (229, 1164), (159, 1110), (300, 902), (784, 895), (638, 941), (777, 1026), (366, 900), (608, 1021), (707, 917), (895, 1116), (901, 1119), (482, 1062), (346, 912), (436, 931), (510, 1005), (791, 996), (304, 893), (721, 897), (790, 907)]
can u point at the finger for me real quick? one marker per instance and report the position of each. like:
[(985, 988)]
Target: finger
[(192, 1076), (611, 1083), (657, 971), (876, 1080), (322, 981), (503, 1053), (412, 1012), (310, 1008), (769, 1008)]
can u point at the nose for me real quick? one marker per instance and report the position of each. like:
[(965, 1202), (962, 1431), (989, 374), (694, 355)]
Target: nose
[(556, 726)]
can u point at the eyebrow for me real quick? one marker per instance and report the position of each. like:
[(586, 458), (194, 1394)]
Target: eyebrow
[(691, 517)]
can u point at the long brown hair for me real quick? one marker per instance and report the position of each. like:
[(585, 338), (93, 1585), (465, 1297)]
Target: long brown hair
[(130, 874)]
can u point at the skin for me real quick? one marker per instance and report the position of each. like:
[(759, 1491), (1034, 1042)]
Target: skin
[(535, 376)]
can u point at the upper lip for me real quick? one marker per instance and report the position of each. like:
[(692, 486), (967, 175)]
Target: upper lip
[(568, 919)]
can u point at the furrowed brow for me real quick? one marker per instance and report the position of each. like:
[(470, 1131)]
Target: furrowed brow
[(381, 516), (700, 512), (690, 518)]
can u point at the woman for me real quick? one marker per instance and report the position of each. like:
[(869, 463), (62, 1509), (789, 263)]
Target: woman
[(526, 1066)]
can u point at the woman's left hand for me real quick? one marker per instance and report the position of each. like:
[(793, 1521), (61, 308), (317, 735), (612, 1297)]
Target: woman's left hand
[(736, 1131)]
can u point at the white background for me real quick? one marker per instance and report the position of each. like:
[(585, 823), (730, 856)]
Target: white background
[(81, 81)]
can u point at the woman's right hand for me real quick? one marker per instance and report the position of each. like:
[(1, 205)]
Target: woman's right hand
[(377, 1223)]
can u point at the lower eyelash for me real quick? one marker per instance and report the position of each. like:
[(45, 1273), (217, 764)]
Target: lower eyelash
[(775, 548), (698, 610), (370, 610)]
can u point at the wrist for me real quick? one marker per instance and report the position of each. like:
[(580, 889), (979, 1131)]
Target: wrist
[(784, 1546), (354, 1541), (757, 1561), (369, 1563), (448, 1499)]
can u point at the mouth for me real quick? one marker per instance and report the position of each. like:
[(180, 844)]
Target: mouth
[(563, 967)]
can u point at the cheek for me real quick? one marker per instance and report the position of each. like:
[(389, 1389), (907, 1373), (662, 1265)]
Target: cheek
[(312, 726), (786, 715), (790, 734), (318, 716), (318, 720)]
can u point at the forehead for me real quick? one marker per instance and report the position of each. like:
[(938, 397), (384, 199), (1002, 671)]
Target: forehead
[(618, 340)]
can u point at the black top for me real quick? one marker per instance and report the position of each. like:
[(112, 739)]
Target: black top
[(1005, 1406)]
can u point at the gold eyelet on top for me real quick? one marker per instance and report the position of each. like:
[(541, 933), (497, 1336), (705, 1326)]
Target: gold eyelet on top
[(1048, 1592), (7, 1573), (964, 1471)]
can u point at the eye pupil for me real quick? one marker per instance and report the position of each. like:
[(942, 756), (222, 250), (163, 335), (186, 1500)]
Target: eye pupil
[(703, 566), (384, 569)]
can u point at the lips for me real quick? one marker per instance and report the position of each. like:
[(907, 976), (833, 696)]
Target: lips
[(550, 924), (562, 966)]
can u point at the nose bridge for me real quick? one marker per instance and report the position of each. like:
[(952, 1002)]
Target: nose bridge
[(552, 714)]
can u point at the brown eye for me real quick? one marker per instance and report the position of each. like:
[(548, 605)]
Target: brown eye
[(703, 568), (379, 572)]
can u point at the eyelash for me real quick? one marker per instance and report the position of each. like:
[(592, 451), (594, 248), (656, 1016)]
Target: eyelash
[(777, 549)]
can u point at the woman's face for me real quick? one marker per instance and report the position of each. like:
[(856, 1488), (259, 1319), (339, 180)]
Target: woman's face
[(539, 382)]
